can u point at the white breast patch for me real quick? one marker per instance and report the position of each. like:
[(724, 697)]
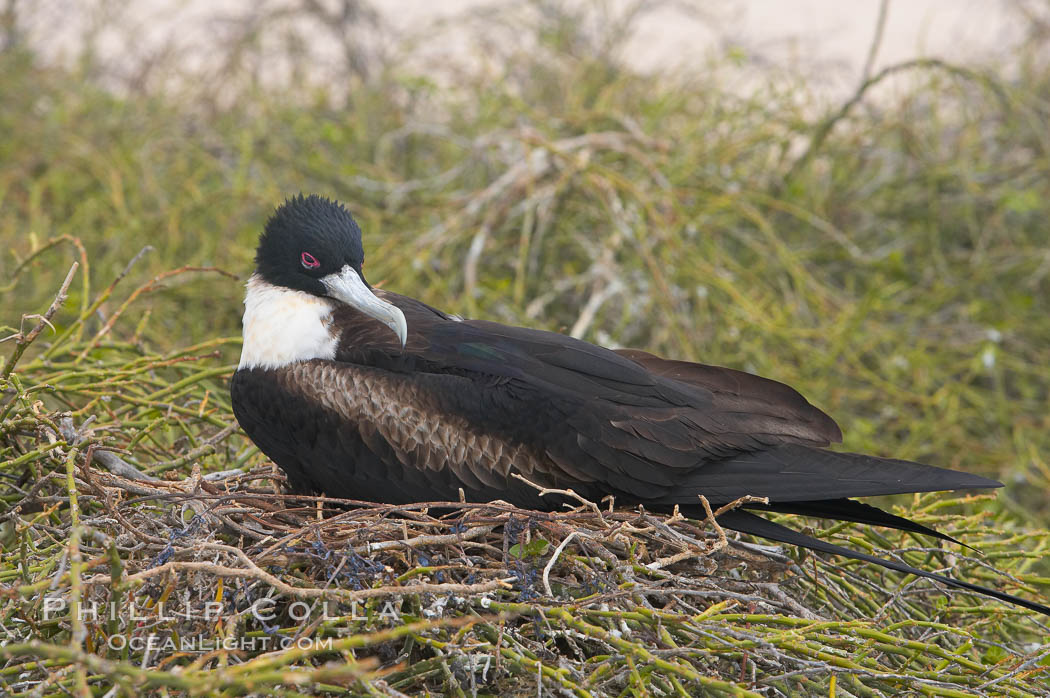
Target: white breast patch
[(284, 326)]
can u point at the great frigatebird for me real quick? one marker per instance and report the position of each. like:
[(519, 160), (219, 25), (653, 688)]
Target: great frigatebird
[(365, 394)]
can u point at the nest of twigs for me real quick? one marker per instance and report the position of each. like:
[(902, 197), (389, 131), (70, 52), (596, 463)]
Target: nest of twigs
[(345, 548)]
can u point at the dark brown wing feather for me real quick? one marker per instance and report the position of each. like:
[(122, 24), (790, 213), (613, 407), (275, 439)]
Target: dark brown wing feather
[(626, 423), (746, 393)]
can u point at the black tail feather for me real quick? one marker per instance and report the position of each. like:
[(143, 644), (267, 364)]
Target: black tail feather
[(746, 522), (795, 473), (857, 512)]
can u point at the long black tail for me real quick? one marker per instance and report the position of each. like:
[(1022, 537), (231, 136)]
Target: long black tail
[(857, 512), (746, 522)]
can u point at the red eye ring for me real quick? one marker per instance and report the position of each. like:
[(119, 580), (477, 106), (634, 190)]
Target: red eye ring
[(309, 261)]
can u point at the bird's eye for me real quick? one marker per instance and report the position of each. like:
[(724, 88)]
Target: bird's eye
[(309, 261)]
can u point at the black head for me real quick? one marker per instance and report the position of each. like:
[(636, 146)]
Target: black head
[(312, 244), (308, 238)]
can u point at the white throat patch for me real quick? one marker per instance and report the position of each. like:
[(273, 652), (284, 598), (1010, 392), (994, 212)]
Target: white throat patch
[(283, 326)]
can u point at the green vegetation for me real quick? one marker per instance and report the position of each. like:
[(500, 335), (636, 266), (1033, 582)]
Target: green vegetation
[(891, 258)]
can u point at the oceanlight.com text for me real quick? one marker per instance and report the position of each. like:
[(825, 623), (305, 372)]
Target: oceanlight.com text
[(202, 643)]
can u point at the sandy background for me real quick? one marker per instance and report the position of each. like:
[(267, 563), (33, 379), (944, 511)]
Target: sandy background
[(828, 38)]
